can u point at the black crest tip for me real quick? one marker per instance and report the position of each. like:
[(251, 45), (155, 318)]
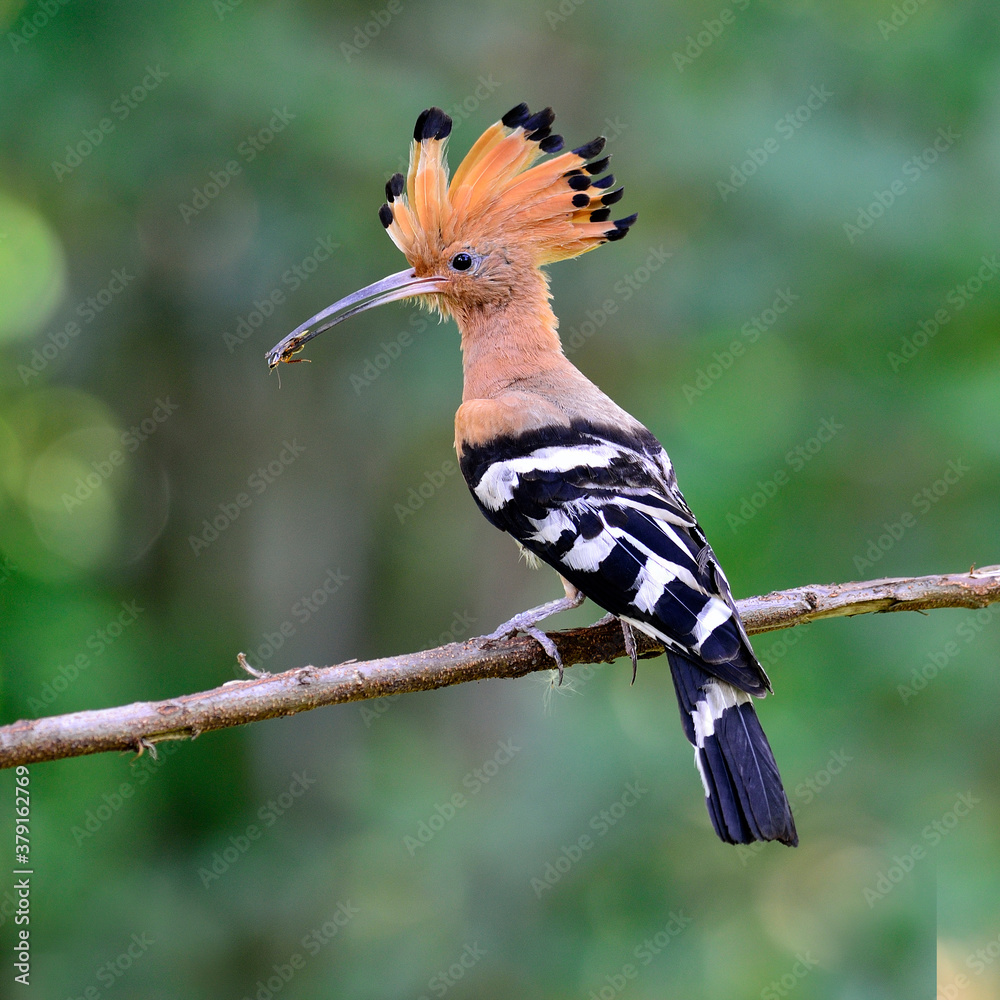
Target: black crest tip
[(613, 196), (579, 182), (580, 200), (432, 124), (627, 221), (394, 186), (385, 216), (517, 115), (600, 215), (598, 166), (605, 182), (552, 144), (540, 120), (591, 149), (615, 234)]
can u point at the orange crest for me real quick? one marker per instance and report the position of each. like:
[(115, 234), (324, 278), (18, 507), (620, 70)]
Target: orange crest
[(557, 209)]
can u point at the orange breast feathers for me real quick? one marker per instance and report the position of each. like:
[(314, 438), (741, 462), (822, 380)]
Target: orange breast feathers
[(508, 415), (552, 399)]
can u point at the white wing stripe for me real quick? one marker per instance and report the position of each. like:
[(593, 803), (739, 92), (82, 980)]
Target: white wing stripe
[(718, 697), (549, 528), (499, 481), (676, 571), (587, 554), (712, 616)]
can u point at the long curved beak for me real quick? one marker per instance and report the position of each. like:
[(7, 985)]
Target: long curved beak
[(402, 285)]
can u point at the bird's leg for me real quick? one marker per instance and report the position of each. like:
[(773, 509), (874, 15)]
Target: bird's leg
[(527, 621)]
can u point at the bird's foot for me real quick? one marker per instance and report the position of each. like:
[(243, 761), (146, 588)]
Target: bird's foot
[(527, 621)]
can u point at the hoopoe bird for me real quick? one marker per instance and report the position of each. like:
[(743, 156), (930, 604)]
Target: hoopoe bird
[(549, 458)]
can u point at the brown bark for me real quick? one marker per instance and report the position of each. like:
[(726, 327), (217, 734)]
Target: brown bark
[(143, 724)]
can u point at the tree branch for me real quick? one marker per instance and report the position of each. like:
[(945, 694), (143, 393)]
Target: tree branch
[(143, 724)]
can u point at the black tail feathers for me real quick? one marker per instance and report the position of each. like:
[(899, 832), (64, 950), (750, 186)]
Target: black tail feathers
[(743, 790)]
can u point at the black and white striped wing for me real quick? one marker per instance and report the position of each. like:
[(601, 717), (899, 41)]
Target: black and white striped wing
[(602, 507), (605, 511)]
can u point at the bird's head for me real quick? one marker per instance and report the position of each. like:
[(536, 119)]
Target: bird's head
[(473, 242)]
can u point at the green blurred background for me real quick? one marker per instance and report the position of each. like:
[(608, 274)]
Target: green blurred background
[(182, 184)]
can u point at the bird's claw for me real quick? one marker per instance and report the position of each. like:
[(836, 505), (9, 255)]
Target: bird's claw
[(630, 646), (549, 646), (509, 629), (241, 659)]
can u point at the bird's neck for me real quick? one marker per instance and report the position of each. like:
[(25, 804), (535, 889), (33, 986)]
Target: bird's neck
[(516, 345), (517, 378)]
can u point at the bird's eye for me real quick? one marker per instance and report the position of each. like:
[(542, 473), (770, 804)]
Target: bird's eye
[(461, 261)]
